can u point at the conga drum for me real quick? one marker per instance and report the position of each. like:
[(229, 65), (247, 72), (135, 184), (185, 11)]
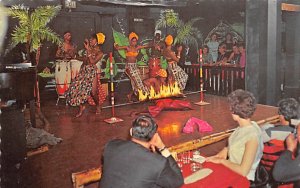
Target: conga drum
[(75, 67), (154, 66), (144, 72), (62, 76)]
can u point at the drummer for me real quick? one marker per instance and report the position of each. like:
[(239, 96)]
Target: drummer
[(67, 50)]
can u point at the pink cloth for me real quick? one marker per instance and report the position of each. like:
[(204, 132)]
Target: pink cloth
[(203, 126), (243, 60)]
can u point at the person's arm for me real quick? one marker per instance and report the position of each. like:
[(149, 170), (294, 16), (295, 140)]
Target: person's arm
[(247, 161), (171, 176), (59, 52), (286, 169), (117, 47), (174, 57), (231, 56), (95, 60), (143, 46), (221, 155)]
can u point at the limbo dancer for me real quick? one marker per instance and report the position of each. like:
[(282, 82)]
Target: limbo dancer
[(86, 87), (131, 68), (158, 81), (176, 74)]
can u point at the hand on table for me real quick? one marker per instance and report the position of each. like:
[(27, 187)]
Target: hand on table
[(214, 159)]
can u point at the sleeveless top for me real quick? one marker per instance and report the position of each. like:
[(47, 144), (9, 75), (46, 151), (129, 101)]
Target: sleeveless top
[(237, 144)]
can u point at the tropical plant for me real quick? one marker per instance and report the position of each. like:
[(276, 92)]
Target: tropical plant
[(32, 28), (185, 32), (168, 18)]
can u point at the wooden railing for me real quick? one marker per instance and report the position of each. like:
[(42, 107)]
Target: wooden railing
[(218, 80)]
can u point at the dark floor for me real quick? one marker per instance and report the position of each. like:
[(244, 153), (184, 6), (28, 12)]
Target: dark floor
[(84, 137)]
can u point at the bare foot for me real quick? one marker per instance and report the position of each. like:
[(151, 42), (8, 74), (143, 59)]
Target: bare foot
[(98, 110), (129, 98), (81, 110)]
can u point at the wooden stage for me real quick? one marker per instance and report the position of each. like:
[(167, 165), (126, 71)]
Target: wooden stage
[(84, 137)]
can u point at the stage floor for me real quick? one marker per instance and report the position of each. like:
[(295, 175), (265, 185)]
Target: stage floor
[(85, 137)]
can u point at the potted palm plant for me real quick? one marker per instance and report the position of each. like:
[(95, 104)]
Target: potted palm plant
[(185, 32), (33, 30)]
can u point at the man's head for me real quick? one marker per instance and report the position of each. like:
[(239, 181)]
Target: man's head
[(241, 47), (143, 128), (67, 36), (157, 35), (288, 108)]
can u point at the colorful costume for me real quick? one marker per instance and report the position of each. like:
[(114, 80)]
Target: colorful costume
[(80, 90)]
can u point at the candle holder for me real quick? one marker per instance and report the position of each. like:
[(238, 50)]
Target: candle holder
[(201, 102)]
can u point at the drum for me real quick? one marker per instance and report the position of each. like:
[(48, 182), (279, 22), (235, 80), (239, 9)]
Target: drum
[(154, 66), (75, 67), (144, 72), (62, 76)]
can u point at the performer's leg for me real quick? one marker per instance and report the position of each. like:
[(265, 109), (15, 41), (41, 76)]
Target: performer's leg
[(81, 110), (95, 95)]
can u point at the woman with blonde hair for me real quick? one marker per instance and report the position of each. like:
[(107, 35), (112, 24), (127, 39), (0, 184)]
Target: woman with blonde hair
[(86, 87)]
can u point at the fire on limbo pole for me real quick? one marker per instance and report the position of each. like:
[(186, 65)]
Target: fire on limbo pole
[(113, 119), (201, 102)]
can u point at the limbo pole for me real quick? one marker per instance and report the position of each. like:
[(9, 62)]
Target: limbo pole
[(201, 102), (113, 119)]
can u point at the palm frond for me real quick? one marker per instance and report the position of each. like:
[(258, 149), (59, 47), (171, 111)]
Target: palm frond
[(34, 25), (167, 18), (44, 33), (19, 35), (43, 14), (21, 13)]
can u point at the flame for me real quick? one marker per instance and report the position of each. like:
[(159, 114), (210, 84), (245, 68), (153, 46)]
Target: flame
[(165, 91)]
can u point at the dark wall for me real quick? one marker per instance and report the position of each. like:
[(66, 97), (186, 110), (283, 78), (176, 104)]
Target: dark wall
[(272, 46)]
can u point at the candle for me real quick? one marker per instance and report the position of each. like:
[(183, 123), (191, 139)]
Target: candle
[(200, 52)]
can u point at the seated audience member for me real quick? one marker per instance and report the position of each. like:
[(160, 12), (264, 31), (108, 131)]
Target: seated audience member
[(229, 43), (222, 56), (206, 56), (235, 55), (242, 50), (213, 46), (287, 167), (245, 144), (288, 109), (142, 162)]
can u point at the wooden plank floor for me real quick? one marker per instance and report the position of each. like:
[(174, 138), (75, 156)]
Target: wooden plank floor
[(84, 137)]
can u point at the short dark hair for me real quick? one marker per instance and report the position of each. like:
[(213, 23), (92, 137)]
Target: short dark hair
[(205, 46), (242, 103), (67, 32), (241, 44), (288, 108), (144, 128)]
